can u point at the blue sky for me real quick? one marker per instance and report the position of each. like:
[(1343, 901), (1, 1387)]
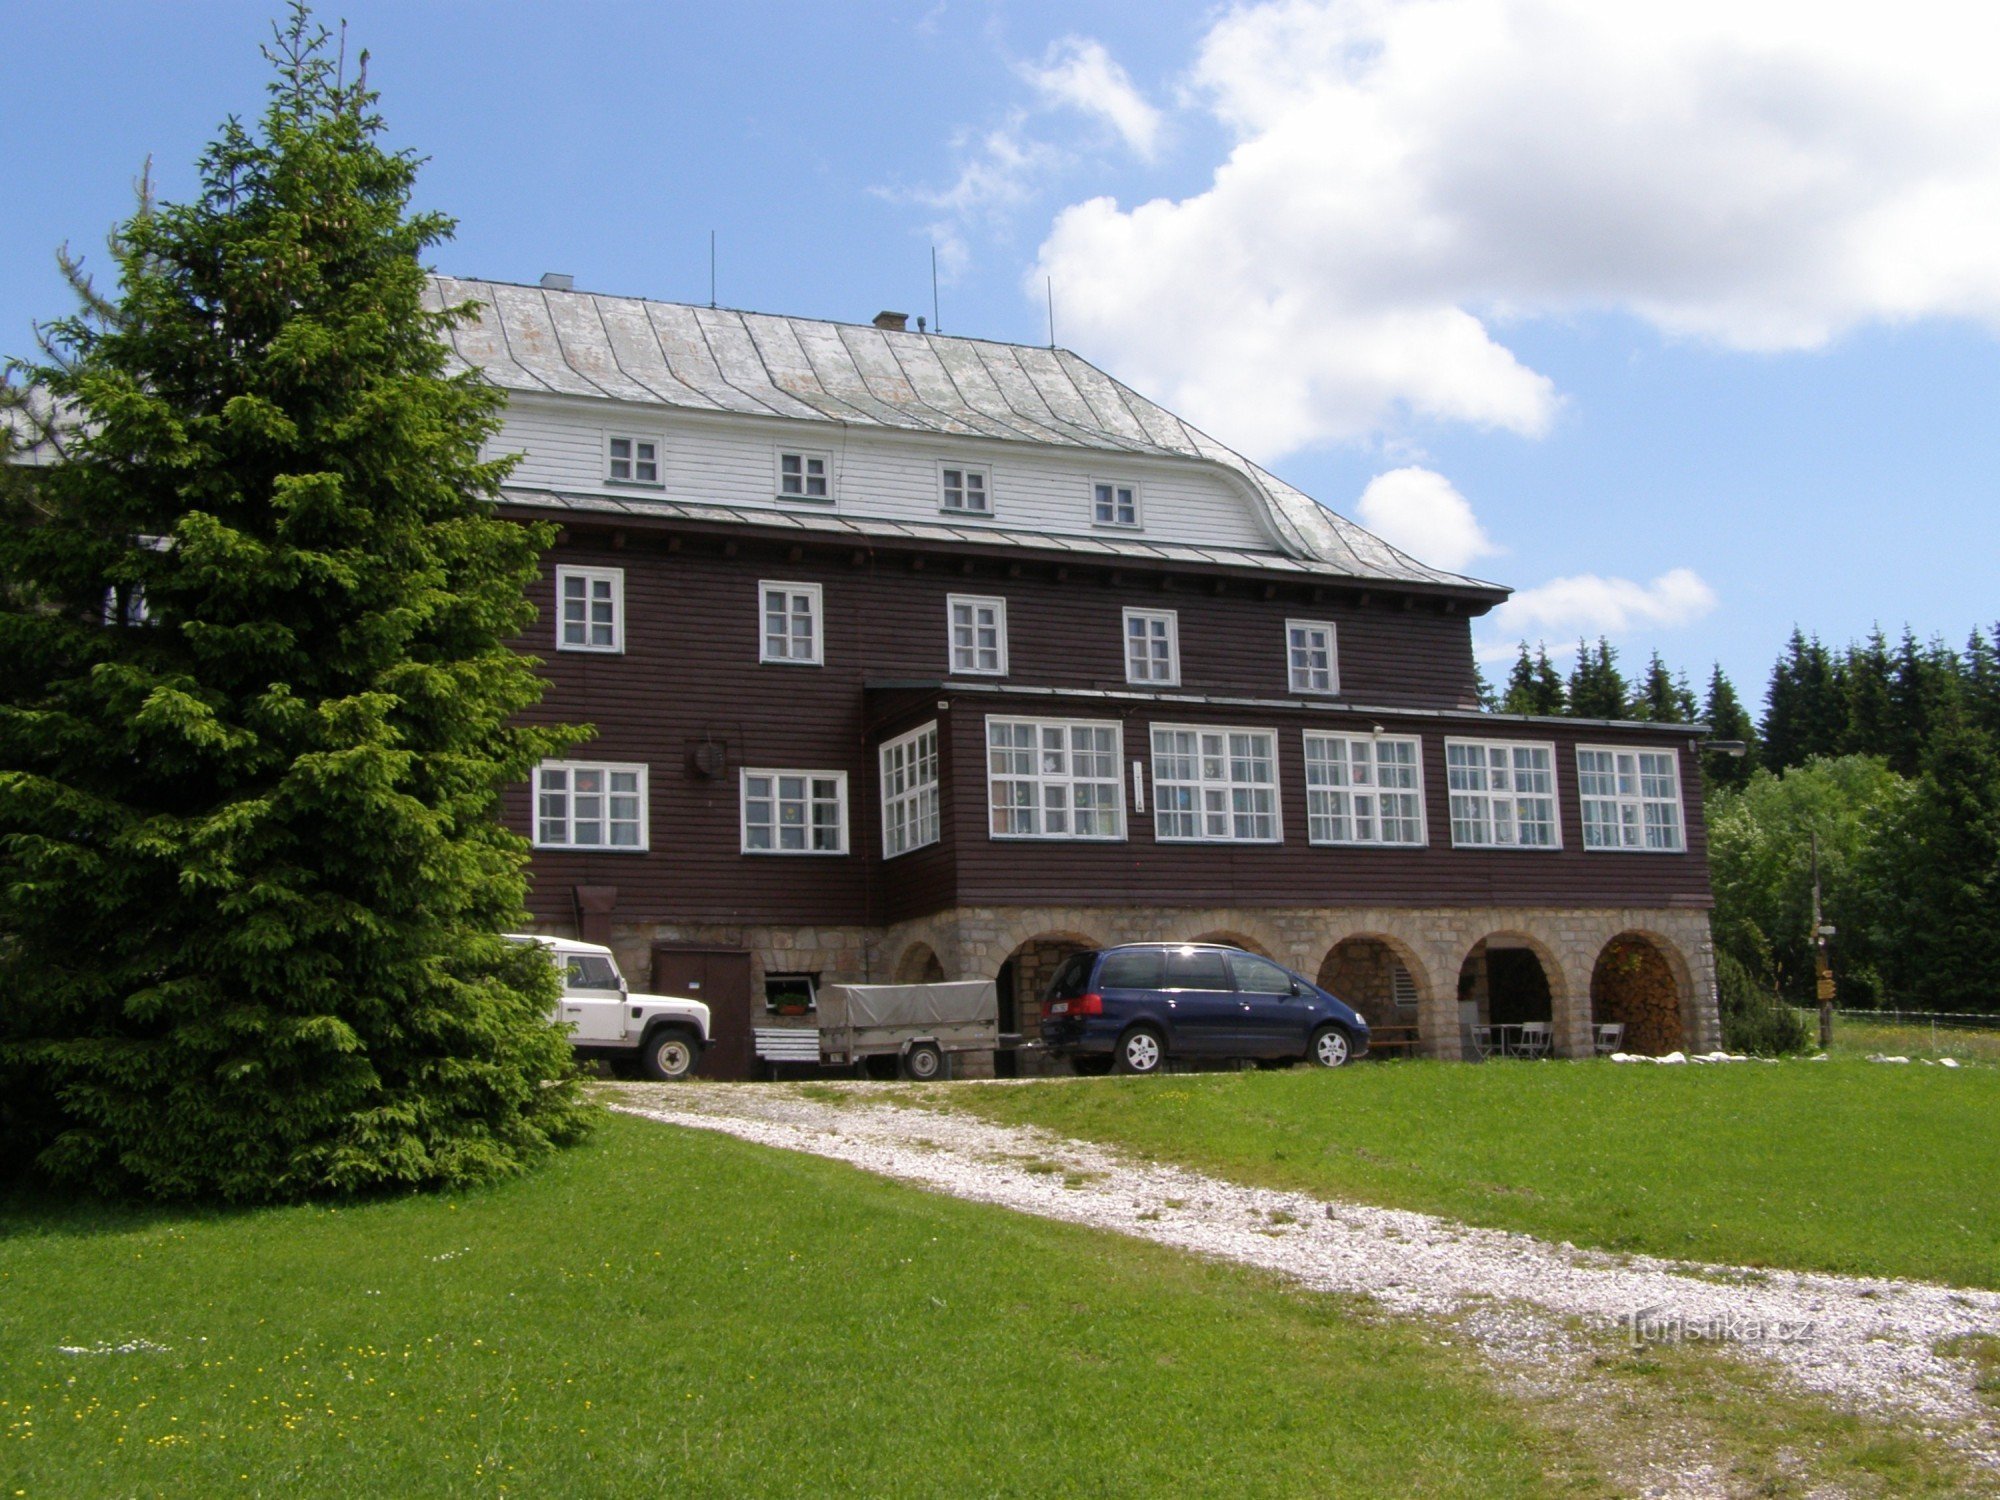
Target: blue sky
[(1681, 324)]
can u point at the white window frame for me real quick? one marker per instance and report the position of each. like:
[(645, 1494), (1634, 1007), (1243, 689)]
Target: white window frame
[(590, 577), (1298, 677), (765, 588), (1615, 820), (974, 602), (809, 800), (1343, 787), (807, 457), (965, 488), (539, 805), (1496, 810), (632, 460), (1214, 797), (1054, 785), (911, 814), (1172, 637), (1133, 491)]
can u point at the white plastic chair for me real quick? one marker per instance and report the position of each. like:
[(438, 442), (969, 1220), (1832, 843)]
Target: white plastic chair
[(1482, 1041), (1535, 1039), (1610, 1037)]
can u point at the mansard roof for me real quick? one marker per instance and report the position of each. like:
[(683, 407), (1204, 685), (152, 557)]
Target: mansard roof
[(707, 359)]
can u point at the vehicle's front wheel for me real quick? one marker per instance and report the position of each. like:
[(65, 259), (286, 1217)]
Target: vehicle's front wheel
[(668, 1056), (924, 1062), (1139, 1051), (1330, 1048)]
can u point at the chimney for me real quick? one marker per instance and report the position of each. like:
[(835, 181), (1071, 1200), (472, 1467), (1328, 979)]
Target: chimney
[(558, 281), (893, 322)]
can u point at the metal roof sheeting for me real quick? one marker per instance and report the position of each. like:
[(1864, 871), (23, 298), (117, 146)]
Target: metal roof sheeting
[(545, 340)]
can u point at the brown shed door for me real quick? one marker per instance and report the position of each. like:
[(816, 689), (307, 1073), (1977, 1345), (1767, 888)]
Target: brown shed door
[(720, 979)]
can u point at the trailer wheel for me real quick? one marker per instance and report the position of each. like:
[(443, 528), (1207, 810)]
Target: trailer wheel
[(924, 1062)]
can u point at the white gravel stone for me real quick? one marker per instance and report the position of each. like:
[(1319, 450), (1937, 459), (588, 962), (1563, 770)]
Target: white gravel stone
[(1867, 1342)]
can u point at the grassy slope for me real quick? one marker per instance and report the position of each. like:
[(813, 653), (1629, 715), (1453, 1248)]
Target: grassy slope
[(670, 1313), (1839, 1166)]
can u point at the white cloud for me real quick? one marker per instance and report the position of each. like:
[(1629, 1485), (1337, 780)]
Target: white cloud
[(1589, 605), (1420, 511), (1078, 73), (1408, 175)]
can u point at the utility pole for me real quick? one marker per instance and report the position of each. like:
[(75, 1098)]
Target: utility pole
[(1822, 970)]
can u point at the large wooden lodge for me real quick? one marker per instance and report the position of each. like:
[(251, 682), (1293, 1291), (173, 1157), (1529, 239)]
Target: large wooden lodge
[(915, 656)]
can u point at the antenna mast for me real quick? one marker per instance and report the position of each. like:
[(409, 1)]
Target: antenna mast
[(1051, 282), (711, 268), (937, 318)]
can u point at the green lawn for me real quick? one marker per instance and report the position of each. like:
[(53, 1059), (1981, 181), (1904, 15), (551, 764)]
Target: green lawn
[(1837, 1166), (662, 1312), (1860, 1038)]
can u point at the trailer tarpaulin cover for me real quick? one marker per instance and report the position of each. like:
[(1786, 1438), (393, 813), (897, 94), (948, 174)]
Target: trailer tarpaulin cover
[(970, 1000)]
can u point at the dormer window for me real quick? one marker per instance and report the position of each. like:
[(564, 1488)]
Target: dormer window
[(964, 490), (631, 460), (804, 476), (1116, 503)]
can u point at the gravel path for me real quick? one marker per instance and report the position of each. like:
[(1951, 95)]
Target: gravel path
[(1868, 1343)]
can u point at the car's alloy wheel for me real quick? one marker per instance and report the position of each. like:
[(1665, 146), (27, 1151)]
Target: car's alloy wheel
[(1140, 1052), (1329, 1048)]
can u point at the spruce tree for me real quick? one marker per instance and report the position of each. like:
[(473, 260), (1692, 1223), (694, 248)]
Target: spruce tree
[(1871, 715), (1533, 686), (251, 874), (1661, 699), (1596, 687), (1804, 716), (1727, 719)]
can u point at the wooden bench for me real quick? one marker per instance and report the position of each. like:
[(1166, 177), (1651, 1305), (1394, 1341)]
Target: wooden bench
[(1393, 1041)]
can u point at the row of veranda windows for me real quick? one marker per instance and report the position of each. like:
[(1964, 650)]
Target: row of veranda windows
[(591, 617), (1064, 779), (806, 474)]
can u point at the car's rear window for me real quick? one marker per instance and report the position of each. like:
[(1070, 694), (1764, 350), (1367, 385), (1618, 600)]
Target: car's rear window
[(1138, 969), (1197, 969), (1071, 977)]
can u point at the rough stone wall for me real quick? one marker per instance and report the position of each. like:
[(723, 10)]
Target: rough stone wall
[(1432, 942)]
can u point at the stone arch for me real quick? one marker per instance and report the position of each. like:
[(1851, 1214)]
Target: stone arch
[(1362, 969), (1640, 981), (1511, 976), (1233, 939), (919, 965), (1022, 977)]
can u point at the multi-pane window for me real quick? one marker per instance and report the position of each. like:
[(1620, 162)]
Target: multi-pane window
[(1054, 779), (790, 623), (965, 489), (1314, 655), (579, 805), (1631, 799), (1215, 784), (794, 812), (1152, 646), (910, 791), (1114, 504), (591, 602), (978, 635), (631, 460), (1502, 793), (803, 476), (1363, 789)]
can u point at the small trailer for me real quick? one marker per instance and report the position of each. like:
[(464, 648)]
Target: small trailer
[(918, 1025)]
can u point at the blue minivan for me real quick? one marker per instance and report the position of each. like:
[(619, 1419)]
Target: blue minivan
[(1133, 1007)]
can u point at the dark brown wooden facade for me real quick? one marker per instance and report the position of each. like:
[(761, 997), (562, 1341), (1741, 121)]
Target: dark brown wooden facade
[(689, 698)]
